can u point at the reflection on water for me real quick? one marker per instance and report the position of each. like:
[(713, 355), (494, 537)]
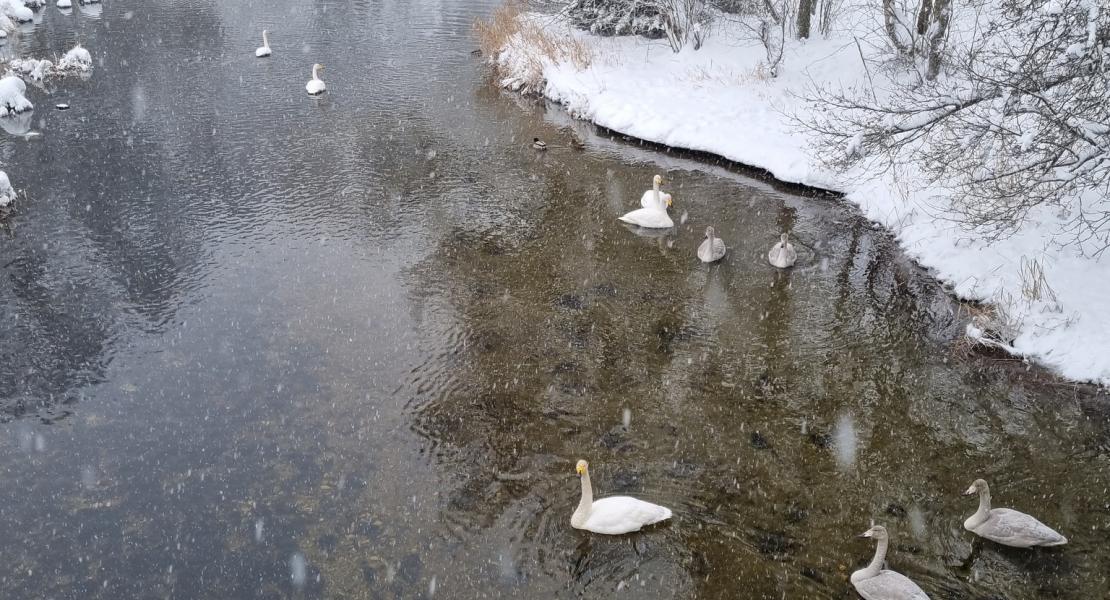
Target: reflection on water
[(257, 345), (845, 441)]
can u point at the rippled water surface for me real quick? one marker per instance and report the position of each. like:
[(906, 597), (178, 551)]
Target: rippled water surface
[(257, 344)]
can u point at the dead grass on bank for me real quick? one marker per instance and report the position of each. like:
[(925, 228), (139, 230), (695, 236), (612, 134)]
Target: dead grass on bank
[(534, 44)]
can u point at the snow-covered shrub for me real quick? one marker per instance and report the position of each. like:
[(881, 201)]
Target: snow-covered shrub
[(679, 21), (77, 59), (618, 17), (12, 100), (34, 3), (33, 68), (7, 194)]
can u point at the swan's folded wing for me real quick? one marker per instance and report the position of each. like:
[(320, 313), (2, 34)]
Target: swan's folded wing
[(648, 217), (623, 514), (890, 585), (1015, 528)]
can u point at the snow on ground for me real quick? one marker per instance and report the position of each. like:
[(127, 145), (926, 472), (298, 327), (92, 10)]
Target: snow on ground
[(719, 99), (12, 100)]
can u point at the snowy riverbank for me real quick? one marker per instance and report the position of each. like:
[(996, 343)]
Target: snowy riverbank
[(1050, 301)]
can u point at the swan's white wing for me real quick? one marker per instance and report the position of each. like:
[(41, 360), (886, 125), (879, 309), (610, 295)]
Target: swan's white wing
[(782, 257), (315, 86), (649, 217), (707, 253), (889, 585), (648, 199), (623, 514), (1014, 528)]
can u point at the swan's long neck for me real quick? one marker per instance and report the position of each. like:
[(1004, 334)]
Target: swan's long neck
[(587, 500), (314, 75), (984, 511), (265, 39), (655, 193), (877, 562)]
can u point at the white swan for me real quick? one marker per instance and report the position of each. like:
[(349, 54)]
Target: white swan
[(873, 582), (265, 49), (782, 254), (316, 85), (713, 248), (653, 196), (613, 515), (654, 214), (1008, 527)]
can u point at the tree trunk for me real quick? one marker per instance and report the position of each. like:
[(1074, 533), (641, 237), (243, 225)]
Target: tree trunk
[(924, 16), (805, 13), (938, 31), (891, 21)]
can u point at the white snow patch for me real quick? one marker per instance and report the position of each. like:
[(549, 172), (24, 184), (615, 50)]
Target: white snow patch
[(16, 11), (12, 100), (7, 194), (65, 3)]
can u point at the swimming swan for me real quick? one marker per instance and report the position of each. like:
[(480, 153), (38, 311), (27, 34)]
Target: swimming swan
[(654, 213), (653, 196), (613, 515), (1008, 527), (873, 582), (265, 49), (315, 85), (713, 248), (782, 254)]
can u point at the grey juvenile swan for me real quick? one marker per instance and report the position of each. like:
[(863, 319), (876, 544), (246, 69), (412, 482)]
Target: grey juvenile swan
[(782, 254), (1008, 527), (713, 248), (876, 583)]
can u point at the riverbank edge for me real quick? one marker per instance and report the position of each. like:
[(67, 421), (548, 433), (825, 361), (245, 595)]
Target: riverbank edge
[(521, 74)]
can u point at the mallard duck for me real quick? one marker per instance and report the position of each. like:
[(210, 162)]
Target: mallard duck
[(576, 143), (713, 248), (265, 49), (315, 86), (613, 515), (1008, 527), (782, 254), (539, 144)]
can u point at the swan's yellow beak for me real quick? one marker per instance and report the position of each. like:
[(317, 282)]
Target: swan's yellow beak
[(580, 467), (669, 203)]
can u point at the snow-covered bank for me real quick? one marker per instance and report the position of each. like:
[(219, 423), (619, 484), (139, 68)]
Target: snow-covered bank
[(1051, 301)]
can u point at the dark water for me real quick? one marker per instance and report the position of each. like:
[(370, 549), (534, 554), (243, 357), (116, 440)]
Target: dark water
[(257, 344)]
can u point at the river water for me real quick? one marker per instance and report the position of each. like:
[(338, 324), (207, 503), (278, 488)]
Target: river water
[(262, 345)]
